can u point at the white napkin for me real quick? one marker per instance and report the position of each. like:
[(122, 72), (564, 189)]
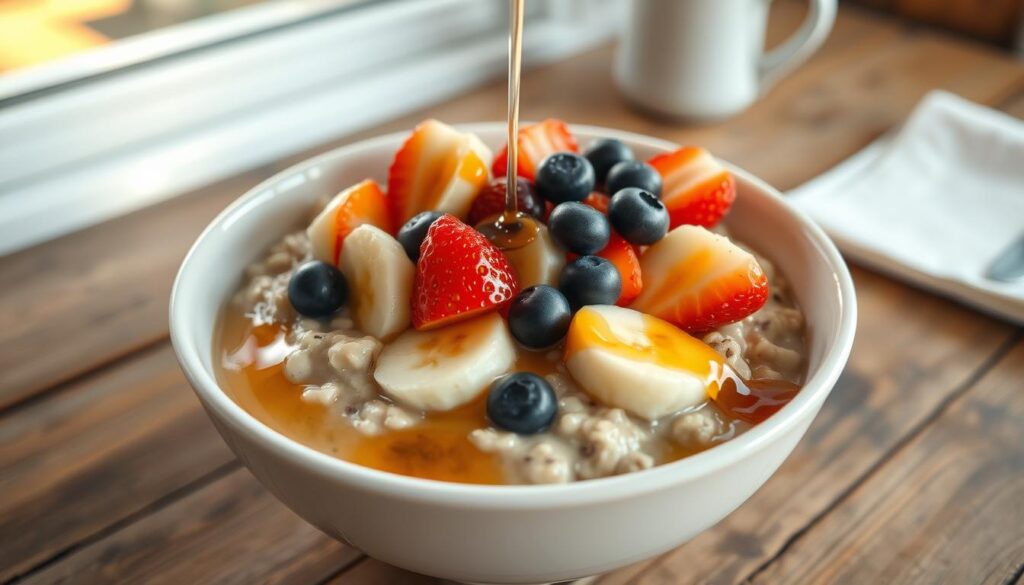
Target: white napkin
[(933, 203)]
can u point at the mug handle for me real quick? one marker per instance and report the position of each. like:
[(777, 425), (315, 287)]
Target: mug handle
[(797, 48)]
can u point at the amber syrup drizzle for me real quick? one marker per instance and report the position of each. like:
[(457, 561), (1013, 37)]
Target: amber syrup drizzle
[(512, 229)]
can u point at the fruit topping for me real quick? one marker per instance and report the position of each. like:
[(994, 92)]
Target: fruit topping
[(447, 367), (604, 154), (538, 262), (381, 277), (565, 176), (539, 317), (536, 143), (438, 168), (522, 403), (579, 228), (412, 232), (639, 363), (362, 203), (699, 280), (459, 274), (624, 256), (598, 201), (698, 189), (633, 173), (638, 215), (491, 200), (590, 280), (317, 289)]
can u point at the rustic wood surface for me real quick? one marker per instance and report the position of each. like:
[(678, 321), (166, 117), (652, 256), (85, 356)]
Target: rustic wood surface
[(913, 472)]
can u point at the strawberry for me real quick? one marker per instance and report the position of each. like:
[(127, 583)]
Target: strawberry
[(361, 203), (491, 200), (536, 142), (598, 201), (699, 280), (437, 168), (697, 190), (626, 259), (459, 274)]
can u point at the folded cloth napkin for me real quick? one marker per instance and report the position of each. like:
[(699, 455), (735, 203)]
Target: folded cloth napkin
[(933, 203)]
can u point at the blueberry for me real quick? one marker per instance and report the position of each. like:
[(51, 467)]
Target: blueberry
[(638, 216), (564, 176), (522, 403), (539, 316), (317, 289), (579, 228), (412, 233), (605, 153), (590, 280), (633, 173)]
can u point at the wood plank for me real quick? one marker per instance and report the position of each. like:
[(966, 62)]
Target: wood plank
[(232, 531), (83, 300), (99, 451), (946, 509)]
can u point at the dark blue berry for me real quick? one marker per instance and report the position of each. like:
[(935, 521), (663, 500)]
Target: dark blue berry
[(522, 403), (605, 153), (638, 216), (564, 176), (412, 233), (579, 228), (539, 316), (590, 280), (317, 289), (633, 173)]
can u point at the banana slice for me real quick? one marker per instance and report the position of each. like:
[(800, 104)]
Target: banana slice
[(639, 363), (444, 368), (380, 279), (538, 262)]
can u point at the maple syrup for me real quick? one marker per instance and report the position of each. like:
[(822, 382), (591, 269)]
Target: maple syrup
[(512, 229)]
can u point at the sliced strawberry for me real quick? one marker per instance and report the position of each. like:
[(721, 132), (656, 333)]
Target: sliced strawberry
[(598, 201), (437, 168), (459, 274), (359, 204), (491, 200), (536, 142), (697, 190), (700, 281)]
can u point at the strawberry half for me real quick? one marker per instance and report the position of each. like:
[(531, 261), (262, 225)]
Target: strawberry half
[(697, 190), (359, 204), (491, 200), (437, 168), (700, 281), (536, 142), (459, 274)]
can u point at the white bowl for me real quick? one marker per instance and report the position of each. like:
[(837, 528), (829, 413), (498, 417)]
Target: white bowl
[(505, 534)]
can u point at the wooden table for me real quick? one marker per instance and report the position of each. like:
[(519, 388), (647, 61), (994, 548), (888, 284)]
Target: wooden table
[(913, 471)]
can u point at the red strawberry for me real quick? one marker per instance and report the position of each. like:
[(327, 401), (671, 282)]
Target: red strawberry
[(697, 190), (626, 259), (536, 142), (491, 200), (598, 201), (459, 274), (700, 281)]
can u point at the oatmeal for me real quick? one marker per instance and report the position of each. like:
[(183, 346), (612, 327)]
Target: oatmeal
[(422, 353)]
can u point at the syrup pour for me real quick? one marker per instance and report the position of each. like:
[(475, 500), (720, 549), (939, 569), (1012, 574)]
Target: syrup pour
[(512, 229)]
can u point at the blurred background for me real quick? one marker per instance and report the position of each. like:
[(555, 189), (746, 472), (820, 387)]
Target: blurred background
[(108, 105)]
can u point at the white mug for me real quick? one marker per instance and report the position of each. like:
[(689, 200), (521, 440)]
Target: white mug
[(705, 59)]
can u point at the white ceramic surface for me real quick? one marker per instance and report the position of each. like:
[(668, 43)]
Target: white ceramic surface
[(505, 534), (704, 59)]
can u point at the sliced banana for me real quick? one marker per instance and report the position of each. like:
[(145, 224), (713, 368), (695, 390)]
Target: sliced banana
[(444, 368), (380, 279), (639, 363), (471, 173), (538, 262)]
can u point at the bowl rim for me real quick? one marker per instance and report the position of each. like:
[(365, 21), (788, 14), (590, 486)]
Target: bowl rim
[(227, 411)]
